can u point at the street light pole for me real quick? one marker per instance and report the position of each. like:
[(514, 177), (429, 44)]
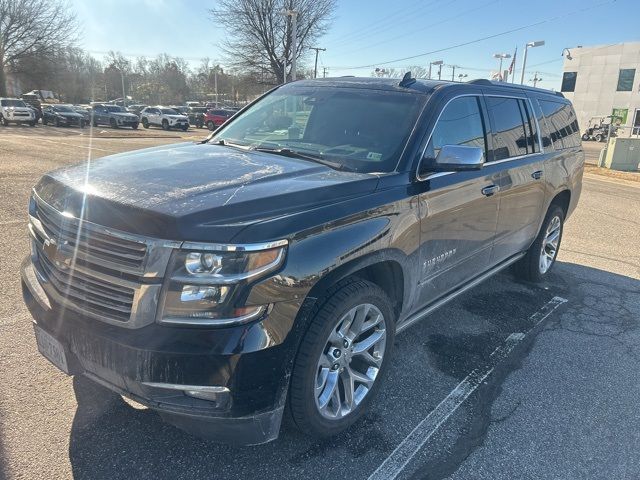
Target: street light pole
[(453, 72), (437, 62), (501, 56), (537, 43)]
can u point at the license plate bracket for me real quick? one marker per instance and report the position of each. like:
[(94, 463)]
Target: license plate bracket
[(51, 349)]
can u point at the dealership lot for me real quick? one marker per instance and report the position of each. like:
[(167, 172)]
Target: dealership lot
[(511, 380)]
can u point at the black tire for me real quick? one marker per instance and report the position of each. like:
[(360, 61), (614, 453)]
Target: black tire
[(44, 121), (134, 126), (165, 125), (82, 124), (529, 268), (199, 124), (185, 128), (94, 123), (5, 122), (56, 122), (302, 397), (585, 137), (599, 137), (145, 123), (211, 126), (112, 122), (32, 124)]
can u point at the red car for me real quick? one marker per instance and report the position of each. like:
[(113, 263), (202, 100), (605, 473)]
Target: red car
[(214, 118)]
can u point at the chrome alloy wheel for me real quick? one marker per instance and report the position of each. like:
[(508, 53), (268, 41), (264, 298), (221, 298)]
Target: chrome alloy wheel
[(550, 244), (350, 361)]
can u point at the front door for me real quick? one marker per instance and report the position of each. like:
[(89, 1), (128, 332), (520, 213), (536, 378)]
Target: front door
[(459, 224)]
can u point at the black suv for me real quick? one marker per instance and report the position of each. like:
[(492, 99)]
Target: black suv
[(274, 263)]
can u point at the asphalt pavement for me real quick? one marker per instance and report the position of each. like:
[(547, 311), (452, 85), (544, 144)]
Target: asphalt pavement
[(510, 380)]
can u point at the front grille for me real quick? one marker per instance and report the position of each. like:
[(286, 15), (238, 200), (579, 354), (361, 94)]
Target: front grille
[(88, 268), (87, 293), (90, 245)]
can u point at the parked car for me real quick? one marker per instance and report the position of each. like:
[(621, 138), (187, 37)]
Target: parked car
[(216, 117), (32, 100), (136, 109), (14, 110), (62, 116), (181, 109), (196, 116), (86, 114), (272, 265), (113, 115), (164, 117)]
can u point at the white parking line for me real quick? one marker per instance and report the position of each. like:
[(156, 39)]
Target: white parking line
[(411, 445)]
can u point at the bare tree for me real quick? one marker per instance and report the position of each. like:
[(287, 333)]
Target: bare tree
[(32, 28), (259, 35)]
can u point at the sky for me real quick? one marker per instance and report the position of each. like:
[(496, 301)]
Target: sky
[(366, 34)]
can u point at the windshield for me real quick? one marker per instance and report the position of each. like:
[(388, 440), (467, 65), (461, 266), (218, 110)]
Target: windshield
[(115, 108), (361, 130), (62, 108), (12, 103), (169, 111)]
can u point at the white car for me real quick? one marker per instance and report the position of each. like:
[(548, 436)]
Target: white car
[(164, 117), (14, 110)]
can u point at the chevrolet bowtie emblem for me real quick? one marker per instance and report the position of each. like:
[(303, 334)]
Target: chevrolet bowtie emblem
[(55, 254)]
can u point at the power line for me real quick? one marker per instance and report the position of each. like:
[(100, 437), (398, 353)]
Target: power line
[(488, 37)]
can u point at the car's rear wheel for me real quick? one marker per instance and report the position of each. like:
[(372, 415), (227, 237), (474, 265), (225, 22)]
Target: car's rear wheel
[(82, 124), (342, 359), (599, 137), (32, 124), (134, 126), (113, 123), (56, 122), (145, 123), (542, 254), (210, 125), (585, 137), (165, 125)]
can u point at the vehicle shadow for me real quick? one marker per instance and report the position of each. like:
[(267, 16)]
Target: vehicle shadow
[(112, 439)]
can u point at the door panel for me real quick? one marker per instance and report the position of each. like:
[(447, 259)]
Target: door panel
[(457, 232)]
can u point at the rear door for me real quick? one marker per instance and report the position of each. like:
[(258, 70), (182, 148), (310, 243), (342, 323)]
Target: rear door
[(516, 149), (459, 224)]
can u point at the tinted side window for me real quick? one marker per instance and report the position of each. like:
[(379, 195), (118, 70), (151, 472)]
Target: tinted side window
[(530, 126), (562, 123), (510, 139), (460, 123)]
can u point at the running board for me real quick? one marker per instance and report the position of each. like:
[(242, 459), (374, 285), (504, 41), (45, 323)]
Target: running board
[(439, 303)]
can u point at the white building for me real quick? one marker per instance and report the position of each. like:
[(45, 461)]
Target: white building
[(604, 80)]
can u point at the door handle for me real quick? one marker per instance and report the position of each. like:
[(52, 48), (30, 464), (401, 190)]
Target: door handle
[(537, 174), (490, 190)]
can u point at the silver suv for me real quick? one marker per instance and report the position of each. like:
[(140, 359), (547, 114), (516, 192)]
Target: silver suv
[(14, 110)]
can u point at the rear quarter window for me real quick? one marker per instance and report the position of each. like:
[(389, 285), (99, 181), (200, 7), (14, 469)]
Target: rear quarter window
[(562, 124)]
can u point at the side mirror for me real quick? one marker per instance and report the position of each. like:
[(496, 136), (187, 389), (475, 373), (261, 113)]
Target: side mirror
[(458, 158)]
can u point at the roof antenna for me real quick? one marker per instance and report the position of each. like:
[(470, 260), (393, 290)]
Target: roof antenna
[(407, 81)]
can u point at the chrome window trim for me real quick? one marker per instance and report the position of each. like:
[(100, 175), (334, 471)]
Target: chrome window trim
[(494, 162)]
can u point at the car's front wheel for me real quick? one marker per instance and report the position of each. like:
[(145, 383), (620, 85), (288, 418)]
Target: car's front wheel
[(145, 123), (165, 125), (542, 254), (342, 359)]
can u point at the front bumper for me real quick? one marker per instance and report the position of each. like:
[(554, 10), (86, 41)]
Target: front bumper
[(252, 362)]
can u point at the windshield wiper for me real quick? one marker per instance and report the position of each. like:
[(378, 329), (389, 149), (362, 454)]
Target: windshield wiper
[(287, 152)]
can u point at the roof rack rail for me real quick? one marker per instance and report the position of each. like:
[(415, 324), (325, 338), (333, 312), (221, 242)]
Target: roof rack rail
[(480, 81)]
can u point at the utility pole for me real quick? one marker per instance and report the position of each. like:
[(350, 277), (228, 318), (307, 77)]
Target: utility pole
[(440, 72), (294, 40), (453, 72), (324, 72), (315, 69), (535, 79)]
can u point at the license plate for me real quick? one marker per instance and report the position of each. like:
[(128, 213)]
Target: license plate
[(51, 349)]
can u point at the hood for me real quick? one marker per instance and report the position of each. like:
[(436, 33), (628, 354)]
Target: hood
[(69, 114), (177, 117), (196, 191), (17, 109), (124, 114)]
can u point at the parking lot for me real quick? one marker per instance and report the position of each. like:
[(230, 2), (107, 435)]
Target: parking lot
[(511, 380)]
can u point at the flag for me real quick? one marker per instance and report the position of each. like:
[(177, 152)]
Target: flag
[(513, 61)]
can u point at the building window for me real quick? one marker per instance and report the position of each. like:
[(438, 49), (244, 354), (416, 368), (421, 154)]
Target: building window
[(569, 81), (625, 79)]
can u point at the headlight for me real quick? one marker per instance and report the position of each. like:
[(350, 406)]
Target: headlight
[(205, 282)]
